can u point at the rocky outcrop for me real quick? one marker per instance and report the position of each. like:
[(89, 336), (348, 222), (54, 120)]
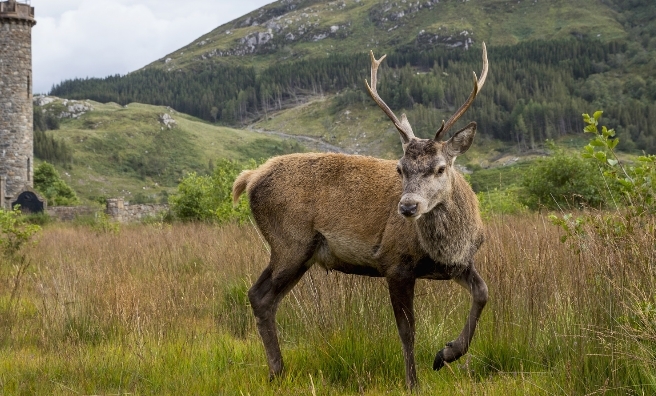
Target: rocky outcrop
[(41, 100), (281, 24), (461, 39), (74, 108), (167, 121), (62, 108), (392, 12)]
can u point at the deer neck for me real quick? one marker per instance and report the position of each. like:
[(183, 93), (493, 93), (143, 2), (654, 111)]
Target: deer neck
[(448, 233)]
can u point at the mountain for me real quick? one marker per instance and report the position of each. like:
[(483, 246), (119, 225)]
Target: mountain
[(297, 67), (300, 29)]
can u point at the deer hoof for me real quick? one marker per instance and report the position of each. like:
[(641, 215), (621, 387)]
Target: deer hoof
[(438, 363), (273, 375)]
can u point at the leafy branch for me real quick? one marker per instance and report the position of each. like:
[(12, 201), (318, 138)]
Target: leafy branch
[(637, 182)]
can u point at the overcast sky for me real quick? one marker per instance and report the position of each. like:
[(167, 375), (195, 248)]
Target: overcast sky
[(97, 38)]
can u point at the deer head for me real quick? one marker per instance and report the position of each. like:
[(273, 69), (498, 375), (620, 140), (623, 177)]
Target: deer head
[(427, 164)]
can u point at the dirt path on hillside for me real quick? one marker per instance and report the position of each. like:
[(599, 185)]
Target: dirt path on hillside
[(310, 142)]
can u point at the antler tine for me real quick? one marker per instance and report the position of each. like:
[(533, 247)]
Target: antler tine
[(403, 125), (478, 84)]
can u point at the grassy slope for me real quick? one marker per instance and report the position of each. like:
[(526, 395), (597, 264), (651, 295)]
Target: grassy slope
[(359, 128), (493, 21), (162, 310), (120, 151), (360, 28), (365, 129)]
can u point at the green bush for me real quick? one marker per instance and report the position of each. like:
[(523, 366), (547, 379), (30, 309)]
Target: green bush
[(208, 197), (40, 219), (565, 181), (15, 232), (48, 182), (194, 200), (635, 198), (497, 201), (637, 184)]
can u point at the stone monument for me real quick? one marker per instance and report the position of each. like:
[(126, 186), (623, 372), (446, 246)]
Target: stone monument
[(16, 135)]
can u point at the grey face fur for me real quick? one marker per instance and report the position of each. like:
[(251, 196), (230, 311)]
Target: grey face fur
[(427, 171)]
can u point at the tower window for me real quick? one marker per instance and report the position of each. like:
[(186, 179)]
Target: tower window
[(28, 169), (29, 75)]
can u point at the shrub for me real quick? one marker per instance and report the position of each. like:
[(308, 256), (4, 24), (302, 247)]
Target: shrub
[(208, 198), (500, 202), (15, 232), (564, 181), (636, 198), (40, 219), (636, 183), (48, 182), (194, 200)]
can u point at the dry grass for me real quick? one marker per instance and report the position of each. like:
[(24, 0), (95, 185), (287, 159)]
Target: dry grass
[(163, 309)]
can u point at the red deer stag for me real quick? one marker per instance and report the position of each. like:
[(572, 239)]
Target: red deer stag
[(401, 220)]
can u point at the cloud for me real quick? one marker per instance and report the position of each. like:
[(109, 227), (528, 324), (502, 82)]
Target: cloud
[(97, 38)]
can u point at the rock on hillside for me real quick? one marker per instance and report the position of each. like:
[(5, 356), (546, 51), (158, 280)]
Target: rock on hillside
[(62, 108), (300, 28)]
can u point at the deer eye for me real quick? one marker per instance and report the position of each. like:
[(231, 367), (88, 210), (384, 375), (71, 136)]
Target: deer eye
[(441, 170)]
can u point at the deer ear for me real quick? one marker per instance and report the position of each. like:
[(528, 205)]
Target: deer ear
[(461, 140)]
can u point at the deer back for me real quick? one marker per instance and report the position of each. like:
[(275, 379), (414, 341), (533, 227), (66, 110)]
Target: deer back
[(350, 200)]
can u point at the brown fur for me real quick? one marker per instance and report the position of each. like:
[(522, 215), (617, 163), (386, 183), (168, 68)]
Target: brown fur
[(356, 215), (340, 211), (352, 202)]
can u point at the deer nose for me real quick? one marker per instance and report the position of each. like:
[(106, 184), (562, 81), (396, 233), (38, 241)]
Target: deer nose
[(408, 210)]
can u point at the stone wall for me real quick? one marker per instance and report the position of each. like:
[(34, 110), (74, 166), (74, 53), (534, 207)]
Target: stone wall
[(69, 213), (116, 210), (119, 211), (16, 141)]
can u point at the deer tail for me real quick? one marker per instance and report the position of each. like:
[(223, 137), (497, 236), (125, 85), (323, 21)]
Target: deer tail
[(240, 185)]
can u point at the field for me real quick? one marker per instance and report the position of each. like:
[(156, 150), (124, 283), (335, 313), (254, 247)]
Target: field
[(162, 309), (128, 151)]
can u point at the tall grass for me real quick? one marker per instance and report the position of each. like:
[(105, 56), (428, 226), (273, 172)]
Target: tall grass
[(159, 309)]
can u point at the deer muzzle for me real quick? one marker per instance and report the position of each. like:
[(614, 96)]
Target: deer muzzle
[(411, 206)]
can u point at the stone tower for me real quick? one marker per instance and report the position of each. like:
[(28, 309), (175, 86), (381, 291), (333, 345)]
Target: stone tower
[(16, 136)]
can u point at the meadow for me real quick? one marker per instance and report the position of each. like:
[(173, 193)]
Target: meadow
[(162, 309)]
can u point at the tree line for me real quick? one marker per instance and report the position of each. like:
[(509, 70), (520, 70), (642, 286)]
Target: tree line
[(46, 147), (535, 90)]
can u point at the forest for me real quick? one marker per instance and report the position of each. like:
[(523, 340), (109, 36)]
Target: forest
[(46, 147), (535, 90)]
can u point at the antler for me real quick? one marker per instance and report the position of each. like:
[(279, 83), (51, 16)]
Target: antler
[(478, 84), (403, 126)]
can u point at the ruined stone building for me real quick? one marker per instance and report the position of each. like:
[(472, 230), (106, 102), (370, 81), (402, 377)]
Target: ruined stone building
[(16, 136)]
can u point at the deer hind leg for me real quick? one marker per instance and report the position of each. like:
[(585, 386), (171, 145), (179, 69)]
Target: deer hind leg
[(402, 292), (472, 281), (265, 295)]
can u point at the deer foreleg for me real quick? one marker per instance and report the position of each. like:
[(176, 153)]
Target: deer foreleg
[(402, 291), (472, 281)]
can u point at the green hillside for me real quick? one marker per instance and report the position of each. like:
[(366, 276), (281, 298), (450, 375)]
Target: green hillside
[(141, 151), (298, 68), (286, 30), (550, 61)]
